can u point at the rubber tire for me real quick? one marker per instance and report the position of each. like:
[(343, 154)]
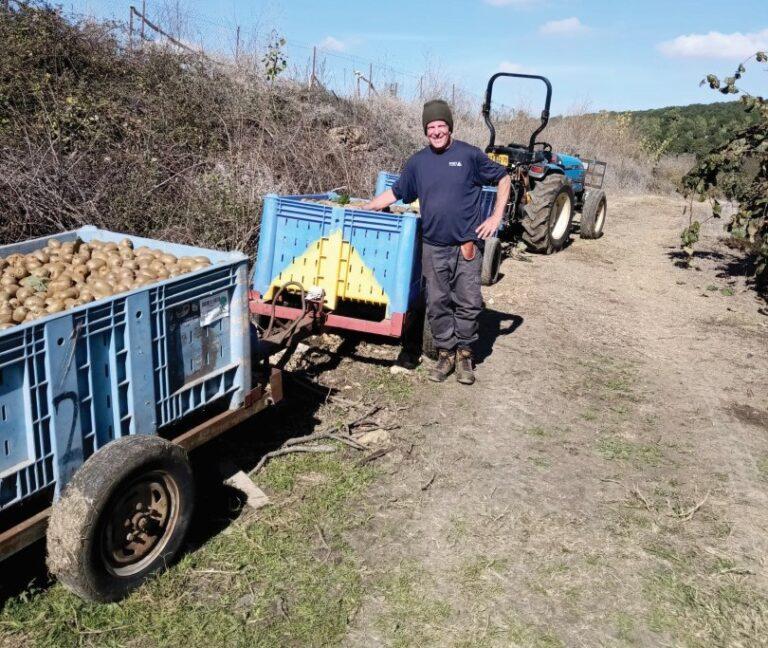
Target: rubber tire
[(428, 347), (539, 215), (491, 262), (74, 553), (594, 200)]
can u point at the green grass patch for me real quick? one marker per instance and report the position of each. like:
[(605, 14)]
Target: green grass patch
[(268, 582), (397, 388), (408, 616), (616, 449), (727, 292), (762, 467)]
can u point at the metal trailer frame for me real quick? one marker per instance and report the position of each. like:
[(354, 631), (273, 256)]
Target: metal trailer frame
[(32, 529)]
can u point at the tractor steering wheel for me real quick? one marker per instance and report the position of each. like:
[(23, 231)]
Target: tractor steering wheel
[(545, 146), (515, 145)]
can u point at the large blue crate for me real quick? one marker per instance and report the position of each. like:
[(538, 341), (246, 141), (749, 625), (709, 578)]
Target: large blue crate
[(385, 180), (127, 364), (355, 255)]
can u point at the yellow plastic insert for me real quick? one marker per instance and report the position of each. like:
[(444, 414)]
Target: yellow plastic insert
[(334, 265)]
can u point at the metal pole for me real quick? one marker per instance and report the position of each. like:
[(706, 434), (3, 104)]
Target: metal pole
[(453, 94), (314, 60), (143, 14), (130, 29), (370, 79), (237, 44)]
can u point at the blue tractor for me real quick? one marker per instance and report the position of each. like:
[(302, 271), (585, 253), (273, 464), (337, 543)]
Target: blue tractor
[(548, 189)]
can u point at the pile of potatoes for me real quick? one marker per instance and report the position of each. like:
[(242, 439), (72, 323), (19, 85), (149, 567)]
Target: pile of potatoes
[(64, 275)]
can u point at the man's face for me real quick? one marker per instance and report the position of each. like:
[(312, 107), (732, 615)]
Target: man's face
[(438, 134)]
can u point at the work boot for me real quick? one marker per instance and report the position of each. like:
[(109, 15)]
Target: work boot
[(464, 371), (446, 363)]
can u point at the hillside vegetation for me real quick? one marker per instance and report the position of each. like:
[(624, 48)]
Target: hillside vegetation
[(694, 129)]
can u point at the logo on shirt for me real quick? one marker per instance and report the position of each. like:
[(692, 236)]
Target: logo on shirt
[(456, 164)]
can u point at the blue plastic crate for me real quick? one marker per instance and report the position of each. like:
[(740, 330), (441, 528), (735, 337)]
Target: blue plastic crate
[(355, 255), (128, 364)]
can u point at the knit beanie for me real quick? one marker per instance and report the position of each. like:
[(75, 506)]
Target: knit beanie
[(434, 110)]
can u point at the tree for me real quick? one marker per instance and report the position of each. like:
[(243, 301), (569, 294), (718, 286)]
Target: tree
[(736, 171)]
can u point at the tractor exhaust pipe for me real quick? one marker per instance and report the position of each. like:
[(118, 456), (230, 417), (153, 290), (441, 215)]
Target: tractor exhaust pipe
[(486, 111)]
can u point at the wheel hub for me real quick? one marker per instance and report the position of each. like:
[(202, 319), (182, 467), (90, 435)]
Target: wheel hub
[(138, 522)]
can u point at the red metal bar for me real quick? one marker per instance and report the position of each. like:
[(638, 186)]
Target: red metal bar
[(391, 327)]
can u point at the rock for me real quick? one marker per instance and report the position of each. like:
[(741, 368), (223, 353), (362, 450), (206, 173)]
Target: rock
[(397, 369), (256, 498), (374, 437)]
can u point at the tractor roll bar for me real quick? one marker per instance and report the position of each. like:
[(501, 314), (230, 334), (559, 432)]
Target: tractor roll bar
[(487, 104)]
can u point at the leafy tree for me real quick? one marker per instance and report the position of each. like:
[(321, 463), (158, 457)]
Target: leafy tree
[(274, 59), (737, 171)]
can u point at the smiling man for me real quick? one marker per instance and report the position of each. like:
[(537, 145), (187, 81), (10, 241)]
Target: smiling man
[(447, 177)]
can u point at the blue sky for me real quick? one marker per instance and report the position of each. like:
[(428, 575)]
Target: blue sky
[(607, 55)]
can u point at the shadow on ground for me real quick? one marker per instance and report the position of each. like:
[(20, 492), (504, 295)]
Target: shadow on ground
[(494, 324)]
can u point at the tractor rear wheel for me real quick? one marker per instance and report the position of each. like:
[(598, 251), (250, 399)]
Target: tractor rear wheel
[(547, 218), (593, 214), (491, 262)]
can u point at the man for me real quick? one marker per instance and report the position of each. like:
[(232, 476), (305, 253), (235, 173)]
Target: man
[(447, 177)]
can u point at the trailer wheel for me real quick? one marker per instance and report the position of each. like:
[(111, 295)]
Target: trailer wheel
[(547, 218), (491, 262), (593, 214), (122, 518)]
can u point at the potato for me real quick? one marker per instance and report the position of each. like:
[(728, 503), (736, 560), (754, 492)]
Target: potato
[(19, 314), (56, 306), (126, 243), (53, 244), (35, 301), (6, 326), (18, 272), (6, 316), (101, 286), (5, 295), (24, 292), (95, 264), (69, 303), (59, 285), (42, 272)]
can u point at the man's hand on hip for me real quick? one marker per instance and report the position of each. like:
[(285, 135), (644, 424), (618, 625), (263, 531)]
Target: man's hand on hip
[(488, 227)]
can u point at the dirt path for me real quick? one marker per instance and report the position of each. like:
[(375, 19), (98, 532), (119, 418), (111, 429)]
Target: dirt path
[(604, 483)]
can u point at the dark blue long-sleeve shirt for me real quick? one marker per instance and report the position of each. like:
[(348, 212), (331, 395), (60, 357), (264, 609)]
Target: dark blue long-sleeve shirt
[(448, 186)]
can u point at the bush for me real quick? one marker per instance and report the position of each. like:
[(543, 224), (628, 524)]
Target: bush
[(737, 171)]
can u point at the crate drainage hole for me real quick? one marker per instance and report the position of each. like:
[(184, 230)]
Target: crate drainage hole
[(138, 314), (60, 341), (7, 447)]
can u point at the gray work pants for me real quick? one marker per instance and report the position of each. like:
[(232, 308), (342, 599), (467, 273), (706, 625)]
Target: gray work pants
[(453, 294)]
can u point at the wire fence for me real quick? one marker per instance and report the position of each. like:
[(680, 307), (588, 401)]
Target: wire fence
[(342, 73)]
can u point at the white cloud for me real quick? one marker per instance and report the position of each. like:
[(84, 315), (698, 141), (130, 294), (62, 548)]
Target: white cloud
[(509, 66), (510, 3), (715, 45), (332, 44), (563, 27)]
